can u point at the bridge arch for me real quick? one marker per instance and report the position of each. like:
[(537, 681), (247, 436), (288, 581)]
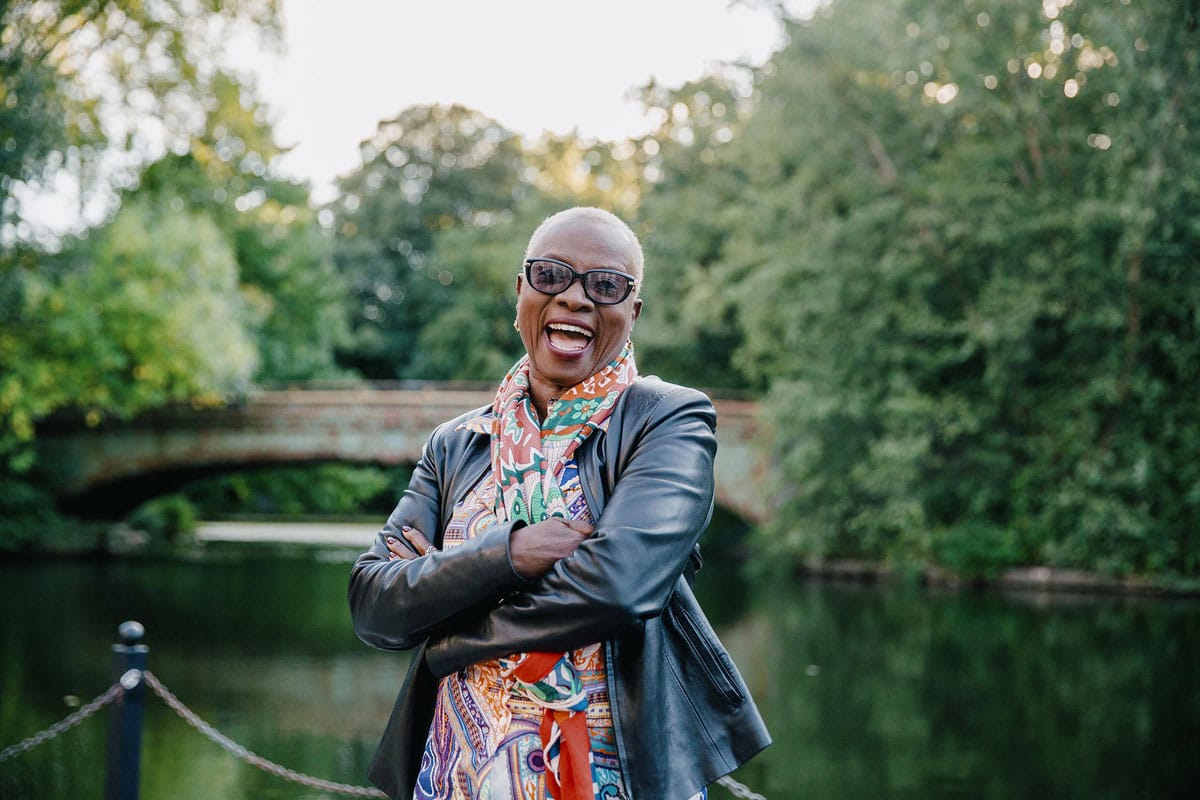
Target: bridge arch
[(166, 446)]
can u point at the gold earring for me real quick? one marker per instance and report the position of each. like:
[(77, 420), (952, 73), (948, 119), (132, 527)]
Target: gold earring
[(516, 326)]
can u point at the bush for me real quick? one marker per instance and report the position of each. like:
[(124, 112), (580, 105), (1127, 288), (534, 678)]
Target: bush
[(321, 489), (29, 521), (165, 518)]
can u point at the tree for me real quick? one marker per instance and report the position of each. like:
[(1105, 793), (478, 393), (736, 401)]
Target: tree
[(966, 281), (128, 320), (472, 337), (430, 170), (210, 271), (96, 88), (285, 267), (688, 216)]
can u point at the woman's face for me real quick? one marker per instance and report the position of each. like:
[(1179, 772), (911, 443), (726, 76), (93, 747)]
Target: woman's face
[(569, 337)]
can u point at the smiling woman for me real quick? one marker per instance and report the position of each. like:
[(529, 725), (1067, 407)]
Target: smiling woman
[(558, 640), (568, 334)]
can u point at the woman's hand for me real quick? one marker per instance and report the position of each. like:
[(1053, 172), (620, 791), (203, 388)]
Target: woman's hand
[(416, 541), (536, 548)]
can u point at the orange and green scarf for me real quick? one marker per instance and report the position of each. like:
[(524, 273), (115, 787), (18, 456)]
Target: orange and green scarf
[(527, 461)]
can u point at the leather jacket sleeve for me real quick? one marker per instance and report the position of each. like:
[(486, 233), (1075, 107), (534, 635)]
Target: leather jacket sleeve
[(657, 506), (396, 604)]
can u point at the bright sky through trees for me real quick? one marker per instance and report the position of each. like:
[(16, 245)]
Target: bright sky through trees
[(532, 65)]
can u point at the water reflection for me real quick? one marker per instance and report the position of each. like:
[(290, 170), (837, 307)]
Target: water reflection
[(913, 694), (869, 692)]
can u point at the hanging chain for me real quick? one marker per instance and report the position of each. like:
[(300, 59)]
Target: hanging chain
[(248, 756), (131, 678), (739, 789), (65, 724)]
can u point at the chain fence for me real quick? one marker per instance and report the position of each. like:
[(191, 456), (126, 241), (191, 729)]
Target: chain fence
[(131, 679), (250, 757), (739, 789), (65, 724)]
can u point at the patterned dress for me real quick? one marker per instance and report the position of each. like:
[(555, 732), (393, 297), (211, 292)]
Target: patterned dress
[(486, 738), (484, 743)]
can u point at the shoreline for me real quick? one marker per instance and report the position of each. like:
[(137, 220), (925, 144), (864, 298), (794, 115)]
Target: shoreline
[(359, 536), (1022, 579), (338, 534)]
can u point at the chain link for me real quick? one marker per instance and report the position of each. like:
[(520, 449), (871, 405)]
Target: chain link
[(248, 756), (68, 722), (739, 789), (175, 704)]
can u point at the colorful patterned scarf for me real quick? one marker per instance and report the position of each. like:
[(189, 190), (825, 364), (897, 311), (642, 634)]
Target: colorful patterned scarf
[(527, 461)]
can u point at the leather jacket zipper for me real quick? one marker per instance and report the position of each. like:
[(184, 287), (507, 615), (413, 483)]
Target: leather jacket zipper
[(707, 657)]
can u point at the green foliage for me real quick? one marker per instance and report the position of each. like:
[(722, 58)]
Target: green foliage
[(26, 513), (208, 275), (146, 312), (285, 268), (473, 337), (30, 119), (689, 330), (964, 274), (429, 171), (76, 76), (431, 228), (164, 519), (324, 489), (29, 522)]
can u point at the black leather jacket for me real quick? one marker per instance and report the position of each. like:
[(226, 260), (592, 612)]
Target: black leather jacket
[(681, 712)]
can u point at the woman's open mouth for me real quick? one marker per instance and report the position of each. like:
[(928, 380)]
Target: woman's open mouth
[(568, 339)]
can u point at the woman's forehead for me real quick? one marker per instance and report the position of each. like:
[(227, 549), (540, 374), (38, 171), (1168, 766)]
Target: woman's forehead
[(587, 242)]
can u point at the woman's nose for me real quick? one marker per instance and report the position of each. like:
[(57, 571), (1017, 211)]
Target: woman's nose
[(574, 296)]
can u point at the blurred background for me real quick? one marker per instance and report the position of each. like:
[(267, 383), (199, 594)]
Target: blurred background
[(942, 253)]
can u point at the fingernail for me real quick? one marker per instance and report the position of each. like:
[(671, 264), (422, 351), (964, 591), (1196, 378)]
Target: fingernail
[(405, 528), (392, 540)]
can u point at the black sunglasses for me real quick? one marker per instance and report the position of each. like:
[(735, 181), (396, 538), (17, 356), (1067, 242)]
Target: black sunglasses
[(605, 287)]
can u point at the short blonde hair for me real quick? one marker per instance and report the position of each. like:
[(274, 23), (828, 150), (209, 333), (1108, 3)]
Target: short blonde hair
[(598, 215)]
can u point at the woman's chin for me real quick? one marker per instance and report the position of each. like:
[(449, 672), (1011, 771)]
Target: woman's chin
[(561, 369)]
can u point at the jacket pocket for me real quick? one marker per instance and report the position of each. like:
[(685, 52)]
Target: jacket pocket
[(707, 654)]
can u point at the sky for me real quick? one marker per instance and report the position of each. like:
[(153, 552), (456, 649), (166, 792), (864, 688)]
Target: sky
[(532, 65)]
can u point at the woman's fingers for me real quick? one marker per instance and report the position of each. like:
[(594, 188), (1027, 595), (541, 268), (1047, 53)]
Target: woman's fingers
[(397, 549), (579, 526), (417, 540), (414, 540)]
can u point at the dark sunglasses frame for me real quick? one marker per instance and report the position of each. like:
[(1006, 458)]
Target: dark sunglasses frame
[(576, 275)]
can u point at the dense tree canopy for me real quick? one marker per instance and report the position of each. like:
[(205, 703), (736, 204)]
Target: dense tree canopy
[(689, 329), (207, 275), (427, 172), (964, 261)]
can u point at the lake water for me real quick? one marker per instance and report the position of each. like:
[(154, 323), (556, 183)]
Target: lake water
[(869, 691)]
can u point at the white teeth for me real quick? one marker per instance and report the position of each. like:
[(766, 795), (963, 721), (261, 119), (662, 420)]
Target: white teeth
[(560, 326)]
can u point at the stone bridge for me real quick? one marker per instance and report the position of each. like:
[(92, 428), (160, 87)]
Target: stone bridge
[(113, 466)]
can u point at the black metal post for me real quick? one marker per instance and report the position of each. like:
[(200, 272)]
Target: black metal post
[(125, 718)]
